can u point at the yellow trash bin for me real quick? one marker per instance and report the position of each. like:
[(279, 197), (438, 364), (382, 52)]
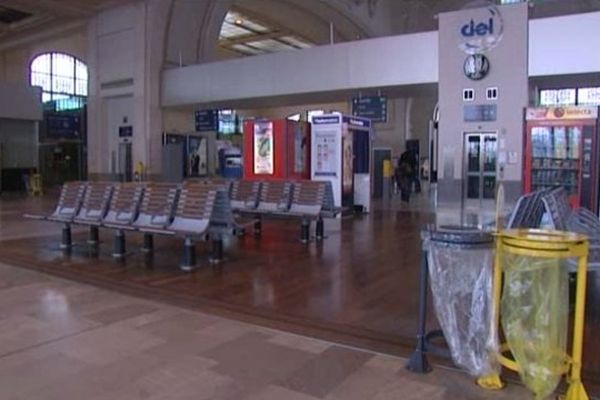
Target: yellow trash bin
[(531, 305)]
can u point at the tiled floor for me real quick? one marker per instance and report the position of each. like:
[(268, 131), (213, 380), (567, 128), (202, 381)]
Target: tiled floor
[(63, 340)]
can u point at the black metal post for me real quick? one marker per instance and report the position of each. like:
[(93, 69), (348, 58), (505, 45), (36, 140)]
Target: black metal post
[(119, 247), (320, 229), (189, 255), (305, 231), (148, 243), (258, 226), (66, 242), (418, 361), (216, 255), (93, 237)]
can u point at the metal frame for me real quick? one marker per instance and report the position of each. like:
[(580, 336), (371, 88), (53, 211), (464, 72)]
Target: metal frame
[(557, 245), (481, 173)]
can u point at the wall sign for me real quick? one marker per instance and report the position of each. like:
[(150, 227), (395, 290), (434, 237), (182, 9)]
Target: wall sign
[(206, 120), (125, 131), (372, 107), (483, 31), (574, 112), (480, 113), (61, 125)]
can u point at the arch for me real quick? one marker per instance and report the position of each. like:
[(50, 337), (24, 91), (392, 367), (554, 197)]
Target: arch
[(60, 75), (194, 27)]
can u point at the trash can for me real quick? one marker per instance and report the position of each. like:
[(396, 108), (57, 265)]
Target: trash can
[(459, 261), (531, 292)]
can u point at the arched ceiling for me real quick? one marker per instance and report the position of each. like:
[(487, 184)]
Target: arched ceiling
[(19, 18), (194, 25), (190, 41)]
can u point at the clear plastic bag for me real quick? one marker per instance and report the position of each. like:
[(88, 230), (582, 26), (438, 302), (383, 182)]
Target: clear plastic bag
[(461, 284), (534, 317)]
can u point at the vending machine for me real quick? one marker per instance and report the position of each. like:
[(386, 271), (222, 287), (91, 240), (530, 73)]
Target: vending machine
[(561, 149)]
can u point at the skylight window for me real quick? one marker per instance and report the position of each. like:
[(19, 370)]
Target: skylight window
[(301, 44), (270, 45), (248, 36)]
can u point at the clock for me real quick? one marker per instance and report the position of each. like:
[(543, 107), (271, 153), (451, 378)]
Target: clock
[(476, 67)]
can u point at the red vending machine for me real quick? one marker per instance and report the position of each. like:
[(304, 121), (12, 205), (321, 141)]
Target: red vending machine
[(561, 149), (276, 149)]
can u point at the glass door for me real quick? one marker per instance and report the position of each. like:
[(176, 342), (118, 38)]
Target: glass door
[(481, 152)]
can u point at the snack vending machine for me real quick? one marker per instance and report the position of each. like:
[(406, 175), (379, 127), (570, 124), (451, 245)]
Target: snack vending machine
[(561, 149)]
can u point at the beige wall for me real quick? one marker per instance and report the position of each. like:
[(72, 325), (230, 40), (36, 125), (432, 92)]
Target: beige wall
[(283, 112), (178, 121), (15, 60), (390, 134), (407, 119)]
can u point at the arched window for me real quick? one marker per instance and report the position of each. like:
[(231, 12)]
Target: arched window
[(61, 76)]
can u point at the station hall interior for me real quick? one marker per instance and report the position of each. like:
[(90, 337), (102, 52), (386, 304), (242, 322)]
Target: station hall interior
[(299, 199)]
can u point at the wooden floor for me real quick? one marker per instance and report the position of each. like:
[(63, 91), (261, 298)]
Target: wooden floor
[(359, 287)]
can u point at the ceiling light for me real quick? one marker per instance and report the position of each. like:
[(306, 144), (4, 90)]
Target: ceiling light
[(239, 21)]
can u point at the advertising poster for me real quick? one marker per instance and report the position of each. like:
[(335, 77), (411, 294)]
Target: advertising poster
[(300, 142), (197, 156), (327, 159), (348, 170), (263, 148)]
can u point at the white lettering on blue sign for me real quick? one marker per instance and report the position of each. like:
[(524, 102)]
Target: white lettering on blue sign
[(326, 120), (363, 123)]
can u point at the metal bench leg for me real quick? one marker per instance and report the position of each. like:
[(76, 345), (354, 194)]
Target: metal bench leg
[(93, 237), (148, 243), (189, 255), (66, 242), (305, 231), (418, 361), (258, 226), (119, 247), (216, 255), (320, 230)]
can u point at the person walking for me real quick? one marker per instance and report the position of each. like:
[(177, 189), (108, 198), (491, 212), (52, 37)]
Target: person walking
[(405, 175)]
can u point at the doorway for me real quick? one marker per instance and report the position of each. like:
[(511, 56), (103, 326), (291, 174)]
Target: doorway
[(61, 162), (379, 156), (125, 162), (481, 151)]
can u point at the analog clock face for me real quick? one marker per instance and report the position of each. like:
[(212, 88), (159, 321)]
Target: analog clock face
[(476, 67)]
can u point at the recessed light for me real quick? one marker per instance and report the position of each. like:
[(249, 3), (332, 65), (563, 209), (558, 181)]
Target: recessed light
[(239, 21)]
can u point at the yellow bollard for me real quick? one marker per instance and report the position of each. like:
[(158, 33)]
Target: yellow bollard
[(388, 169), (545, 244), (140, 171), (35, 185)]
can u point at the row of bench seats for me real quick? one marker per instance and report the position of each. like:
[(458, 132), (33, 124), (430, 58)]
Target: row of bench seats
[(198, 208), (302, 199), (191, 210)]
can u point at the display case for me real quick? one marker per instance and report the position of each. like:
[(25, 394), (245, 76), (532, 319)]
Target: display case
[(561, 149)]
